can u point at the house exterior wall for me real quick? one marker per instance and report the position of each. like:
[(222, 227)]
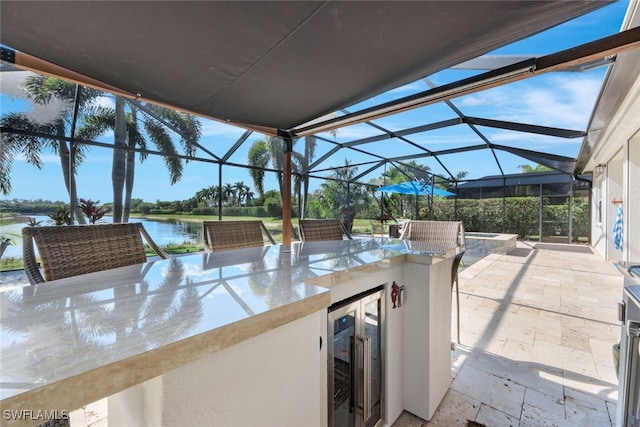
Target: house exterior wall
[(599, 213), (614, 140), (619, 150), (620, 181), (615, 189), (633, 199)]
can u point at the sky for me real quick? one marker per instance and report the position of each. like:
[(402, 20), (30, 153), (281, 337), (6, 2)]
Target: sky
[(568, 100)]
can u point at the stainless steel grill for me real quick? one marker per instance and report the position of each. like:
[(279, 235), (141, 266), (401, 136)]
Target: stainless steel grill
[(629, 372)]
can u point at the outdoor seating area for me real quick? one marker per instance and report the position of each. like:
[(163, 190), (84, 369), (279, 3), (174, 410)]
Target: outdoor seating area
[(364, 214)]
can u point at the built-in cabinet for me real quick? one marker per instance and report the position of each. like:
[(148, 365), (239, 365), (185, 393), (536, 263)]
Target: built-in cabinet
[(269, 380)]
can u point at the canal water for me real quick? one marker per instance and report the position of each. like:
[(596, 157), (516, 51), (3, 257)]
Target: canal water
[(162, 232)]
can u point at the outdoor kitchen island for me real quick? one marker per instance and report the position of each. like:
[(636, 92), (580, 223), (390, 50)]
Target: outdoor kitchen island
[(226, 338)]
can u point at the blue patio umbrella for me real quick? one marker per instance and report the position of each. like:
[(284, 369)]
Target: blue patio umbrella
[(415, 188)]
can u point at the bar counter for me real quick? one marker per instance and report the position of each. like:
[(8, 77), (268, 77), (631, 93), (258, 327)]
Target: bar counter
[(68, 343)]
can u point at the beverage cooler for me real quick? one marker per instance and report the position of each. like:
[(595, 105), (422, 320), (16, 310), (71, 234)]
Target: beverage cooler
[(356, 365)]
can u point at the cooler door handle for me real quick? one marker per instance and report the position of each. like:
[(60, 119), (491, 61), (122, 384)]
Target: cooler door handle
[(366, 365), (352, 374)]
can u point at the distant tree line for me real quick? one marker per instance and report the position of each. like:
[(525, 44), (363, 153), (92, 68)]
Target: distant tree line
[(31, 207)]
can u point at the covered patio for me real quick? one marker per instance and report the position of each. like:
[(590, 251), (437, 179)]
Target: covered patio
[(538, 324)]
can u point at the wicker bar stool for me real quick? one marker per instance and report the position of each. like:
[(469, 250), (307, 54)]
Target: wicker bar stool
[(454, 280), (72, 250), (318, 230), (226, 235)]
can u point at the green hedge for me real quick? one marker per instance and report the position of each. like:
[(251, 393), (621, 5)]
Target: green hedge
[(521, 215), (267, 211), (162, 211)]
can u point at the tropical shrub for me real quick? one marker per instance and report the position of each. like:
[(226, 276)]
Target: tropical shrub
[(61, 216), (91, 210), (521, 215)]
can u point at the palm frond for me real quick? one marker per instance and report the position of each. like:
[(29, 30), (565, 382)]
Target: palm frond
[(163, 142), (96, 120), (188, 127)]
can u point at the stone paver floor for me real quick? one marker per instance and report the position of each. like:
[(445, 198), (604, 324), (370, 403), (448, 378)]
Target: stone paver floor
[(537, 330)]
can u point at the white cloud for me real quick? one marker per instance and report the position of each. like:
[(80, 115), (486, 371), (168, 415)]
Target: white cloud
[(535, 142), (105, 101), (561, 100), (215, 128), (352, 133)]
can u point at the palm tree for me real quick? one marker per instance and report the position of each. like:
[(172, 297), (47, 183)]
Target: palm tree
[(461, 175), (127, 136), (340, 197), (225, 193), (208, 195), (258, 158), (247, 195), (239, 192), (526, 168), (309, 154), (44, 90), (270, 151), (96, 121)]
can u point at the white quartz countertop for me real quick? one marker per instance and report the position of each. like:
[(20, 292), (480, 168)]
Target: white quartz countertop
[(67, 343)]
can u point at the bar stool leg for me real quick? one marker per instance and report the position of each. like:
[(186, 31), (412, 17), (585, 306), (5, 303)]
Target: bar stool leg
[(458, 308)]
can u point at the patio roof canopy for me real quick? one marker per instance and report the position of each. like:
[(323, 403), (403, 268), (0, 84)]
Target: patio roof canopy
[(269, 66)]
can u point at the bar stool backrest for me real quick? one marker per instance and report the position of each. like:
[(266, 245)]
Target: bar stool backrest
[(317, 230), (72, 250), (435, 231), (227, 235)]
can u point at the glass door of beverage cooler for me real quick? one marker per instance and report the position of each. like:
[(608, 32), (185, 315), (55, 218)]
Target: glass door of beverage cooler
[(355, 360)]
